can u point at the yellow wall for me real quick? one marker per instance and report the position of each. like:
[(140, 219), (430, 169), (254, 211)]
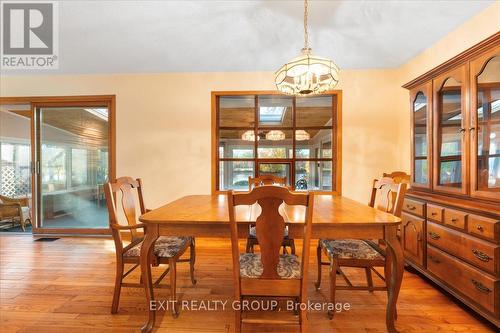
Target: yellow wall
[(163, 120), (163, 123)]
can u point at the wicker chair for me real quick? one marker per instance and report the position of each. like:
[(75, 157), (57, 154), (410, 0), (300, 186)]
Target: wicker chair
[(15, 211)]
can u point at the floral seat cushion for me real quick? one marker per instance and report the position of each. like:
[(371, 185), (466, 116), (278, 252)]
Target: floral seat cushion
[(165, 247), (253, 232), (251, 266), (350, 249)]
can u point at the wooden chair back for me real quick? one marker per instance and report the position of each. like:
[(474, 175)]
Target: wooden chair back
[(398, 177), (265, 180), (270, 225), (126, 186), (388, 196)]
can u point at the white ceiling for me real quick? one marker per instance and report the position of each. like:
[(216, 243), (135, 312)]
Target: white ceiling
[(199, 36)]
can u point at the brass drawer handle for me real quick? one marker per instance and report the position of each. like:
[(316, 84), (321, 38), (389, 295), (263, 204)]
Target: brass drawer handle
[(481, 287), (434, 259), (434, 213), (410, 207), (454, 220), (481, 256), (433, 235), (480, 228)]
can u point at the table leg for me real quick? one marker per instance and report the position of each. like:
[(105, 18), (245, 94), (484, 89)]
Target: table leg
[(395, 265), (151, 234)]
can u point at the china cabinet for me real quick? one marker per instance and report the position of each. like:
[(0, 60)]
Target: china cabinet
[(451, 220)]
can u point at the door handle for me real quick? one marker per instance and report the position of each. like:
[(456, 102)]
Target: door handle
[(481, 287), (481, 256)]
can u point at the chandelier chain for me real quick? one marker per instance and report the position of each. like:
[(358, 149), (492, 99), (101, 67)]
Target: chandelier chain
[(306, 33)]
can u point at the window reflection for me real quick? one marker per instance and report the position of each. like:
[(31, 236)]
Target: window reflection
[(420, 138), (488, 116), (450, 132)]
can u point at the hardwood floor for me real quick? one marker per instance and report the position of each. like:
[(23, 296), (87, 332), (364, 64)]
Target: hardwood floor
[(66, 286)]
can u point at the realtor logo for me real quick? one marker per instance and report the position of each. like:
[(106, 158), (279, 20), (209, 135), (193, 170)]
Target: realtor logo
[(29, 35)]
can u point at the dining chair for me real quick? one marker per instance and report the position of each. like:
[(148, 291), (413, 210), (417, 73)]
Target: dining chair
[(386, 195), (269, 273), (398, 177), (167, 250), (252, 239)]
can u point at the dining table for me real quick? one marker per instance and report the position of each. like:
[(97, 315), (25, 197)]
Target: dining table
[(334, 216)]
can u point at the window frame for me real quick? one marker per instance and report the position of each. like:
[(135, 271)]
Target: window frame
[(336, 128)]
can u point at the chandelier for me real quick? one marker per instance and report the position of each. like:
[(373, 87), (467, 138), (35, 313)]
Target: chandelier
[(275, 135), (301, 135), (307, 74), (248, 136)]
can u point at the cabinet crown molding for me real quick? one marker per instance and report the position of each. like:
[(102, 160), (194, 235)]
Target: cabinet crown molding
[(456, 60)]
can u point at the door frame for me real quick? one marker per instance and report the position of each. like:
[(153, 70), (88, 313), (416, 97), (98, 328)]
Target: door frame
[(44, 101)]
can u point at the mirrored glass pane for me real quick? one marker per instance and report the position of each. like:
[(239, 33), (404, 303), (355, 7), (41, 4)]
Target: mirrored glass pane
[(275, 110), (313, 143), (313, 175), (314, 111), (233, 175), (488, 115), (450, 124), (421, 171), (73, 167), (236, 143), (237, 111), (420, 123), (276, 169), (275, 144)]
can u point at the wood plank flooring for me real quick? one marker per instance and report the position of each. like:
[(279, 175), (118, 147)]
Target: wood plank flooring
[(66, 286)]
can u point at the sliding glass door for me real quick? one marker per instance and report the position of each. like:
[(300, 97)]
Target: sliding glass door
[(73, 153)]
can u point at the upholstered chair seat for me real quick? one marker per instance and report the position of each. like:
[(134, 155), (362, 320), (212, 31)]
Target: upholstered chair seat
[(165, 247), (349, 249), (251, 266)]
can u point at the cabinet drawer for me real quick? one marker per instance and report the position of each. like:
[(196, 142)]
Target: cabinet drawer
[(484, 227), (414, 207), (412, 238), (435, 213), (477, 252), (455, 218), (478, 286)]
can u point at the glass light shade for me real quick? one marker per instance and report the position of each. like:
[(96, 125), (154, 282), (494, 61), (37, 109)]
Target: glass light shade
[(248, 135), (307, 74), (275, 135), (301, 135)]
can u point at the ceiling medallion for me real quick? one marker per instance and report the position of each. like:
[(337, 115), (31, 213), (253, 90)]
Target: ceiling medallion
[(307, 74)]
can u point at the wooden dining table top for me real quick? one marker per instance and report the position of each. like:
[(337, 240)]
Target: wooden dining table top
[(328, 209)]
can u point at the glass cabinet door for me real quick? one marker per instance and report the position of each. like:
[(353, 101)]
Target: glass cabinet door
[(450, 124), (485, 130), (421, 106)]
